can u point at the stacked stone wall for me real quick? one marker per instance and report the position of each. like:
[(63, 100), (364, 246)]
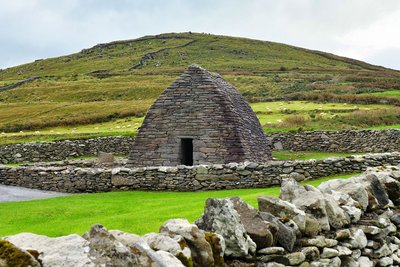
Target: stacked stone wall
[(60, 150), (368, 141), (340, 141), (185, 178)]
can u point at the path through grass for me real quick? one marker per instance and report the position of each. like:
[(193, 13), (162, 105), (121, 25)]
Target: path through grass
[(134, 211)]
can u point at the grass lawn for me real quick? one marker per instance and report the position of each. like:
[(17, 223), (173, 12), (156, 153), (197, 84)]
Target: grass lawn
[(134, 211), (304, 155)]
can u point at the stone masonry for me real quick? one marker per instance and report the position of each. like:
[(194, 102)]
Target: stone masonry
[(72, 177), (352, 141), (202, 114)]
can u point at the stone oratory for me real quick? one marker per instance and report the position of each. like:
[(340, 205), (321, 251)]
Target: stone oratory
[(199, 119)]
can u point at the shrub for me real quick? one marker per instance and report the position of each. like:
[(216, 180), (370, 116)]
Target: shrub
[(294, 120)]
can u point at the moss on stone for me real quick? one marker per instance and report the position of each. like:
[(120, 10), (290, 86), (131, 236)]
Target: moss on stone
[(214, 241), (185, 261), (13, 255)]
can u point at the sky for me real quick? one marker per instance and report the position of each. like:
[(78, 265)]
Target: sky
[(367, 30)]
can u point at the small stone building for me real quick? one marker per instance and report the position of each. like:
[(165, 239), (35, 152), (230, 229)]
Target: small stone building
[(199, 119)]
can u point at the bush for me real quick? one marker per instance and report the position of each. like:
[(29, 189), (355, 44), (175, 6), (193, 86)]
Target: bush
[(295, 120)]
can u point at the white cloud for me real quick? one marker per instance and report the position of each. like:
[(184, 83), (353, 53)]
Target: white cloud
[(375, 41), (363, 29)]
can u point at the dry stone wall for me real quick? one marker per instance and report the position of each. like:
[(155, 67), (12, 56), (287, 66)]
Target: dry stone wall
[(186, 178), (343, 141), (340, 223), (60, 150)]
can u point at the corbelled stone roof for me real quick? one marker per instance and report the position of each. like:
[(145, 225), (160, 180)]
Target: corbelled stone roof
[(202, 106)]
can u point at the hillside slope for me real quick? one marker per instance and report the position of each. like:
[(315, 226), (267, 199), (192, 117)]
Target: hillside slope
[(123, 78)]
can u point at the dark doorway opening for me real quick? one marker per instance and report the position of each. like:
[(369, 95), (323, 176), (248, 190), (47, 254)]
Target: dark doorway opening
[(187, 151)]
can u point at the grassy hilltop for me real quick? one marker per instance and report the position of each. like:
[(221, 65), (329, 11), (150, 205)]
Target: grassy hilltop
[(122, 78)]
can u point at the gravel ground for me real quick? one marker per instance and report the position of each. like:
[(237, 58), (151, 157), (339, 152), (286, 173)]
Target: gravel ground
[(14, 193)]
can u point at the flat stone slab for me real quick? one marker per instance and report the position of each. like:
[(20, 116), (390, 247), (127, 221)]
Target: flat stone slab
[(15, 193)]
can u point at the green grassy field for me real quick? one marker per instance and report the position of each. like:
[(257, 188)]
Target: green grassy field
[(304, 155), (134, 211), (394, 93), (99, 85), (273, 116)]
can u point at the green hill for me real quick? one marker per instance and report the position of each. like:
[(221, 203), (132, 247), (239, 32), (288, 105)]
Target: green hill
[(123, 78)]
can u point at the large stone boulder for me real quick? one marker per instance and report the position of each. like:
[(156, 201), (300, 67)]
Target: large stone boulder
[(145, 256), (308, 199), (351, 207), (127, 239), (377, 196), (355, 190), (336, 215), (175, 245), (283, 210), (291, 190), (105, 249), (286, 235), (389, 182), (71, 250), (260, 231), (201, 250), (221, 217)]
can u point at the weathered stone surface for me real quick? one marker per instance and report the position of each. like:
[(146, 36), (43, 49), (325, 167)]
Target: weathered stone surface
[(195, 238), (391, 185), (271, 251), (221, 217), (106, 159), (71, 250), (283, 210), (349, 262), (145, 256), (336, 215), (296, 258), (260, 231), (396, 219), (357, 239), (385, 261), (322, 206), (329, 253), (218, 247), (355, 190), (286, 235), (10, 255), (126, 239), (319, 241), (311, 253), (280, 259), (202, 106), (377, 196), (365, 261), (105, 249), (176, 246)]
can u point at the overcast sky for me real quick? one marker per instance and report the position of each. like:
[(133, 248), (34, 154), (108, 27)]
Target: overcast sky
[(368, 30)]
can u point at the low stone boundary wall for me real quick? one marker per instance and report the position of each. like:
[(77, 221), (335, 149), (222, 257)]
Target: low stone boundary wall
[(184, 178), (60, 150), (367, 141)]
